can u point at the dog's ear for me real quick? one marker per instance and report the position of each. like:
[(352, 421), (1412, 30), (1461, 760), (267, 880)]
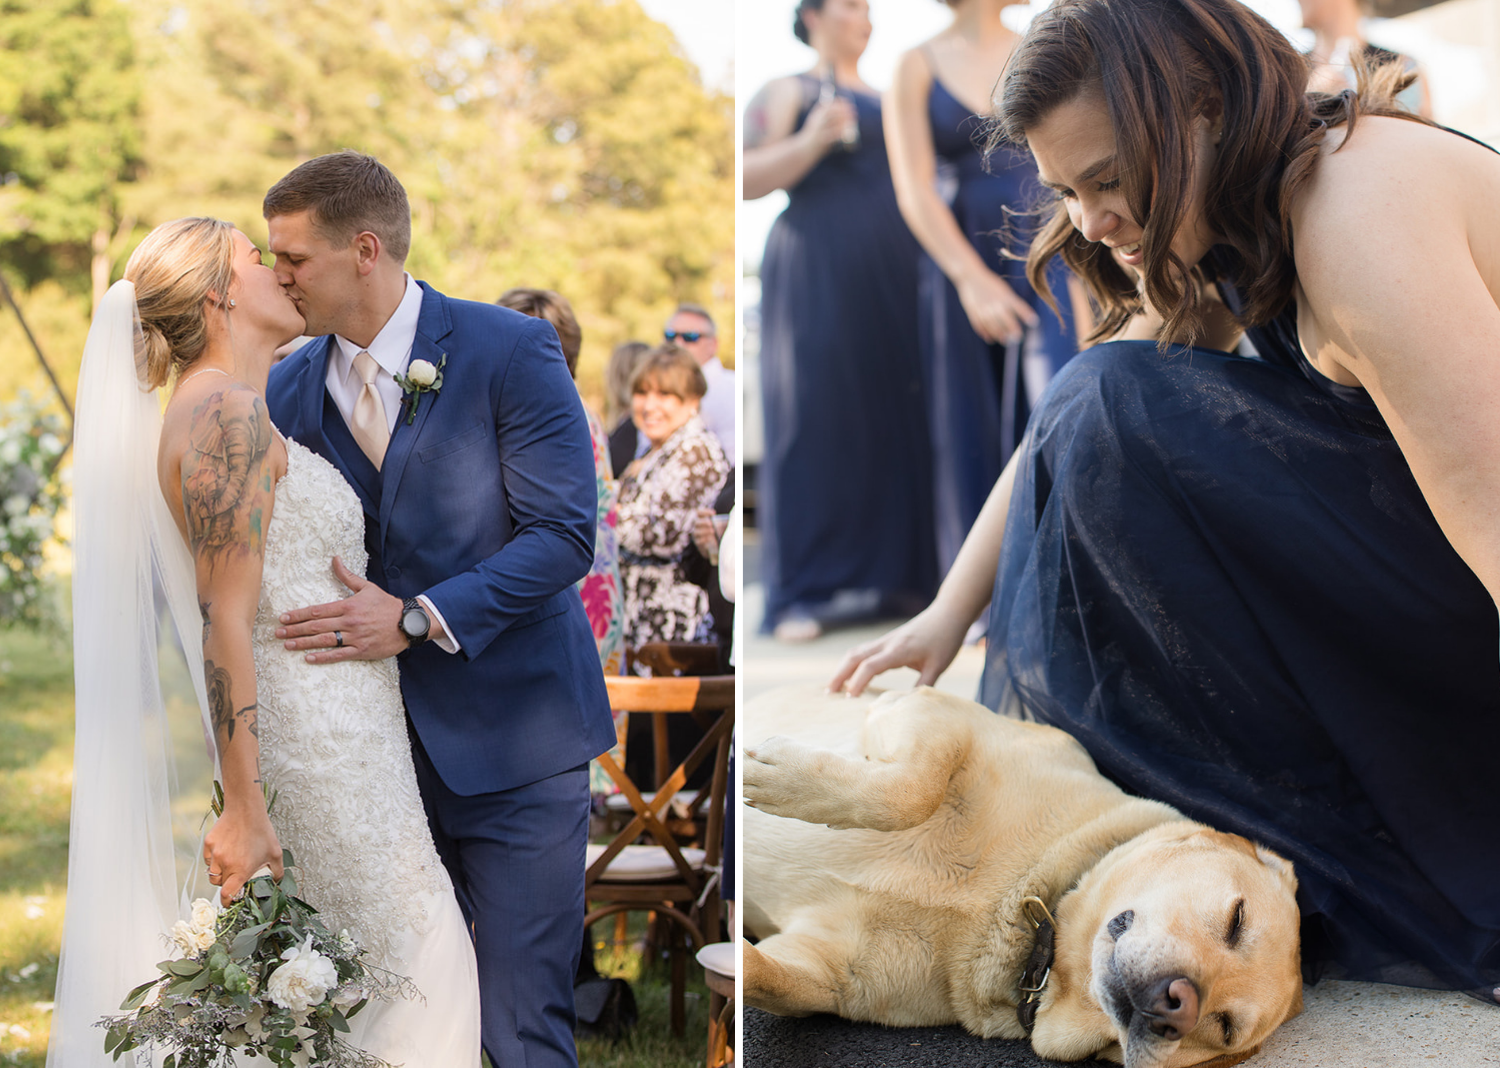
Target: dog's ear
[(1278, 864), (1225, 1060)]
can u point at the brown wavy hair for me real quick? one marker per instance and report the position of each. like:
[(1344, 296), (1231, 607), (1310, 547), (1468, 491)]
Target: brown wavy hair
[(1157, 65), (670, 369)]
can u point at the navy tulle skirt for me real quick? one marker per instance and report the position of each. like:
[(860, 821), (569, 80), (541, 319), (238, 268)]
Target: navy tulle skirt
[(1221, 577)]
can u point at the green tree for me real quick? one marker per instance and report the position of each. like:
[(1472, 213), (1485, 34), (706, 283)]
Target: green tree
[(558, 143), (70, 144), (628, 203), (70, 139)]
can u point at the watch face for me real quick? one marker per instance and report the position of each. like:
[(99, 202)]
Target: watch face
[(414, 622)]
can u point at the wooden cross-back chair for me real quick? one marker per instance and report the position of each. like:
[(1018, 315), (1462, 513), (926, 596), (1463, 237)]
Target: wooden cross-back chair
[(665, 660), (645, 866)]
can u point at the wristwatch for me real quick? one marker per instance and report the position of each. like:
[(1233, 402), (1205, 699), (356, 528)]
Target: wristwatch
[(415, 623)]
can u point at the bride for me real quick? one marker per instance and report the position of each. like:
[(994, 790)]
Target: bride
[(234, 524)]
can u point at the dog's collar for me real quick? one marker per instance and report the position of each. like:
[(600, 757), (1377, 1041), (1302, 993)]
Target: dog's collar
[(1039, 967)]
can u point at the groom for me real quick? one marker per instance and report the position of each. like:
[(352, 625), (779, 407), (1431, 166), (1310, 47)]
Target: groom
[(479, 500)]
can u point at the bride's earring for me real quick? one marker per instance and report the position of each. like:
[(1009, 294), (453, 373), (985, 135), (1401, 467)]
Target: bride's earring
[(231, 302)]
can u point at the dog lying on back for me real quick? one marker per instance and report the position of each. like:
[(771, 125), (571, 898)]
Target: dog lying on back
[(890, 847)]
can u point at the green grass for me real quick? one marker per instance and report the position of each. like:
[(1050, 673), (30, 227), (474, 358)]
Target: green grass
[(36, 771), (36, 777), (651, 1043)]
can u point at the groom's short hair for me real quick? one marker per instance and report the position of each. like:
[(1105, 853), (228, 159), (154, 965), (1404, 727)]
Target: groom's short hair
[(346, 193)]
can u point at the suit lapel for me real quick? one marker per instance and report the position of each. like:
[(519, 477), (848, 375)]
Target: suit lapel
[(433, 325)]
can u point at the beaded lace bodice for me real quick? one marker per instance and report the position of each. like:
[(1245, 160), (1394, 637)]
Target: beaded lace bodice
[(333, 738)]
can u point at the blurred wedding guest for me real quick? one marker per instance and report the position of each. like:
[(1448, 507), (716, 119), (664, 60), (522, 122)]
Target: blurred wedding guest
[(617, 376), (989, 343), (845, 504), (1339, 43), (701, 565), (601, 589), (660, 494), (692, 328)]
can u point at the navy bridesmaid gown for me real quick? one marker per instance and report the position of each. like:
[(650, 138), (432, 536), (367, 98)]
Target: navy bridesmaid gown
[(1219, 575), (845, 490), (977, 392)]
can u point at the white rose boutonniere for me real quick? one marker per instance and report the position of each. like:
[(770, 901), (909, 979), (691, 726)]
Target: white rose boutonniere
[(421, 377)]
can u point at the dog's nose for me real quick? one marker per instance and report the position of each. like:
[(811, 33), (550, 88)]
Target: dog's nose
[(1174, 1009), (1121, 923)]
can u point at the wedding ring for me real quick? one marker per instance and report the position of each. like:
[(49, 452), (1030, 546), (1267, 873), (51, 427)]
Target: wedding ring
[(338, 639)]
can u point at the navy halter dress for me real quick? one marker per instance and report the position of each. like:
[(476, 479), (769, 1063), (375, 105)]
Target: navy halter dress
[(977, 392), (845, 484), (1219, 575)]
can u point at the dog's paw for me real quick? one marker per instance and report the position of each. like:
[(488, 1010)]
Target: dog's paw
[(777, 776)]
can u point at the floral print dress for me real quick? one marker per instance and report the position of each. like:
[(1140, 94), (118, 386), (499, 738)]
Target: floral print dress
[(657, 505), (600, 589)]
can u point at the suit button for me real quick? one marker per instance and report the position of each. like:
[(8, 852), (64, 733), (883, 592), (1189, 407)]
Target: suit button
[(393, 572)]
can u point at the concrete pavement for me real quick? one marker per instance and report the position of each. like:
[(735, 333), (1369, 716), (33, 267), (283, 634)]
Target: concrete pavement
[(1343, 1025)]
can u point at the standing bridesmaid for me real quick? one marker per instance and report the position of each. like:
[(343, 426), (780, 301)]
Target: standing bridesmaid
[(845, 498), (989, 343)]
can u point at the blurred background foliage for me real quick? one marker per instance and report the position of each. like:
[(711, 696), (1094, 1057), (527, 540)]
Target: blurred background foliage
[(566, 144)]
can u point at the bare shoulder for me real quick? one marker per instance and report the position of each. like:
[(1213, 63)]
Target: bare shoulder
[(914, 68), (222, 425), (1397, 195), (1392, 172), (772, 112)]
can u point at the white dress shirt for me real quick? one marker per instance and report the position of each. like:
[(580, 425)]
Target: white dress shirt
[(391, 349)]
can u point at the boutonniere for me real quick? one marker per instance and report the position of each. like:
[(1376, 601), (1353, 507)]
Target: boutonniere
[(421, 377)]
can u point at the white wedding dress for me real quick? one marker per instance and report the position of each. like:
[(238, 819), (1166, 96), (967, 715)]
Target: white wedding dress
[(333, 745), (332, 737)]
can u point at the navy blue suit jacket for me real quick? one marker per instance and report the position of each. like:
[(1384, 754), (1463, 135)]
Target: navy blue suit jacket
[(486, 504)]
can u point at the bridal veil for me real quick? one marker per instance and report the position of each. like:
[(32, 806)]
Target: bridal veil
[(134, 600)]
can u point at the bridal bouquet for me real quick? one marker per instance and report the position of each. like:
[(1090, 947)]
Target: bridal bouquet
[(264, 977)]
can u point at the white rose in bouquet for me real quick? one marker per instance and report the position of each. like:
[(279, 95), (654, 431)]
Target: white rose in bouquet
[(185, 937), (304, 980), (205, 914), (421, 373)]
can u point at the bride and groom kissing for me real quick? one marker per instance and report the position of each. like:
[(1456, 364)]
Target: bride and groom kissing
[(383, 573)]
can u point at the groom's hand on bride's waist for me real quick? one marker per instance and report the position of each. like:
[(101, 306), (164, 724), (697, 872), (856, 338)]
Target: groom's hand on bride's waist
[(362, 626)]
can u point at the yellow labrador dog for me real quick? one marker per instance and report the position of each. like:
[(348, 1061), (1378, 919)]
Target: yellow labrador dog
[(914, 859)]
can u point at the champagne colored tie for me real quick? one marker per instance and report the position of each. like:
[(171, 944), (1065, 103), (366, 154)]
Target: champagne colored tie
[(368, 421)]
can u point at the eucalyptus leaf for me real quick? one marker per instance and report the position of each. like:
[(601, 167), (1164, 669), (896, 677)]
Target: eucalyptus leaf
[(245, 942), (136, 997)]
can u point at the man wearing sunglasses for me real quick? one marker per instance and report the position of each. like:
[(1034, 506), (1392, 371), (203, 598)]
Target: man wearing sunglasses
[(693, 328)]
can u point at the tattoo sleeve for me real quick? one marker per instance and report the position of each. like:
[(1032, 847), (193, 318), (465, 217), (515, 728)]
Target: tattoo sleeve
[(223, 499), (221, 709)]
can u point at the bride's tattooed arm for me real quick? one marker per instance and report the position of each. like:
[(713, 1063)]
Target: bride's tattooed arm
[(228, 488), (225, 475)]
